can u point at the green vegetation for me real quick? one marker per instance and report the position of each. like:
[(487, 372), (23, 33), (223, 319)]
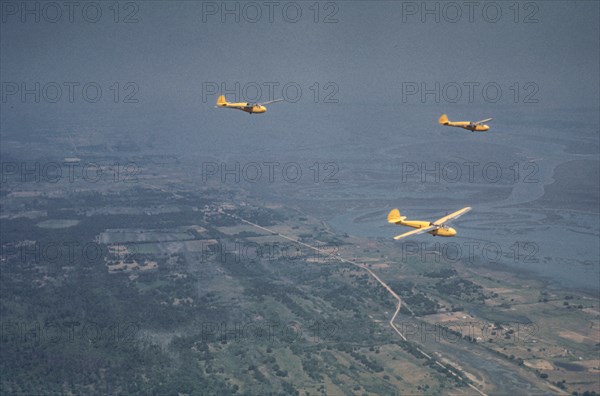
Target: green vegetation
[(207, 321), (153, 295), (462, 289)]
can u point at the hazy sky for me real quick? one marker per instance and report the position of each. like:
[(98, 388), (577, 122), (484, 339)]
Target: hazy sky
[(368, 50)]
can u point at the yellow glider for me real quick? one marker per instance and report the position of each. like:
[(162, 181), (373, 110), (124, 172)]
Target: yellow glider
[(478, 126), (437, 228), (244, 106)]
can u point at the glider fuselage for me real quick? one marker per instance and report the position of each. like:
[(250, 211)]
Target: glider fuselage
[(445, 232), (247, 107), (478, 126), (468, 125)]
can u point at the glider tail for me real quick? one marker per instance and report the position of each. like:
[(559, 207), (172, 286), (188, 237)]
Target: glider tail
[(221, 101), (394, 217), (443, 120)]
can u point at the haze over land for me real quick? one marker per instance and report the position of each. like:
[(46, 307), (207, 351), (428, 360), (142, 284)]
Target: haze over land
[(372, 55)]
